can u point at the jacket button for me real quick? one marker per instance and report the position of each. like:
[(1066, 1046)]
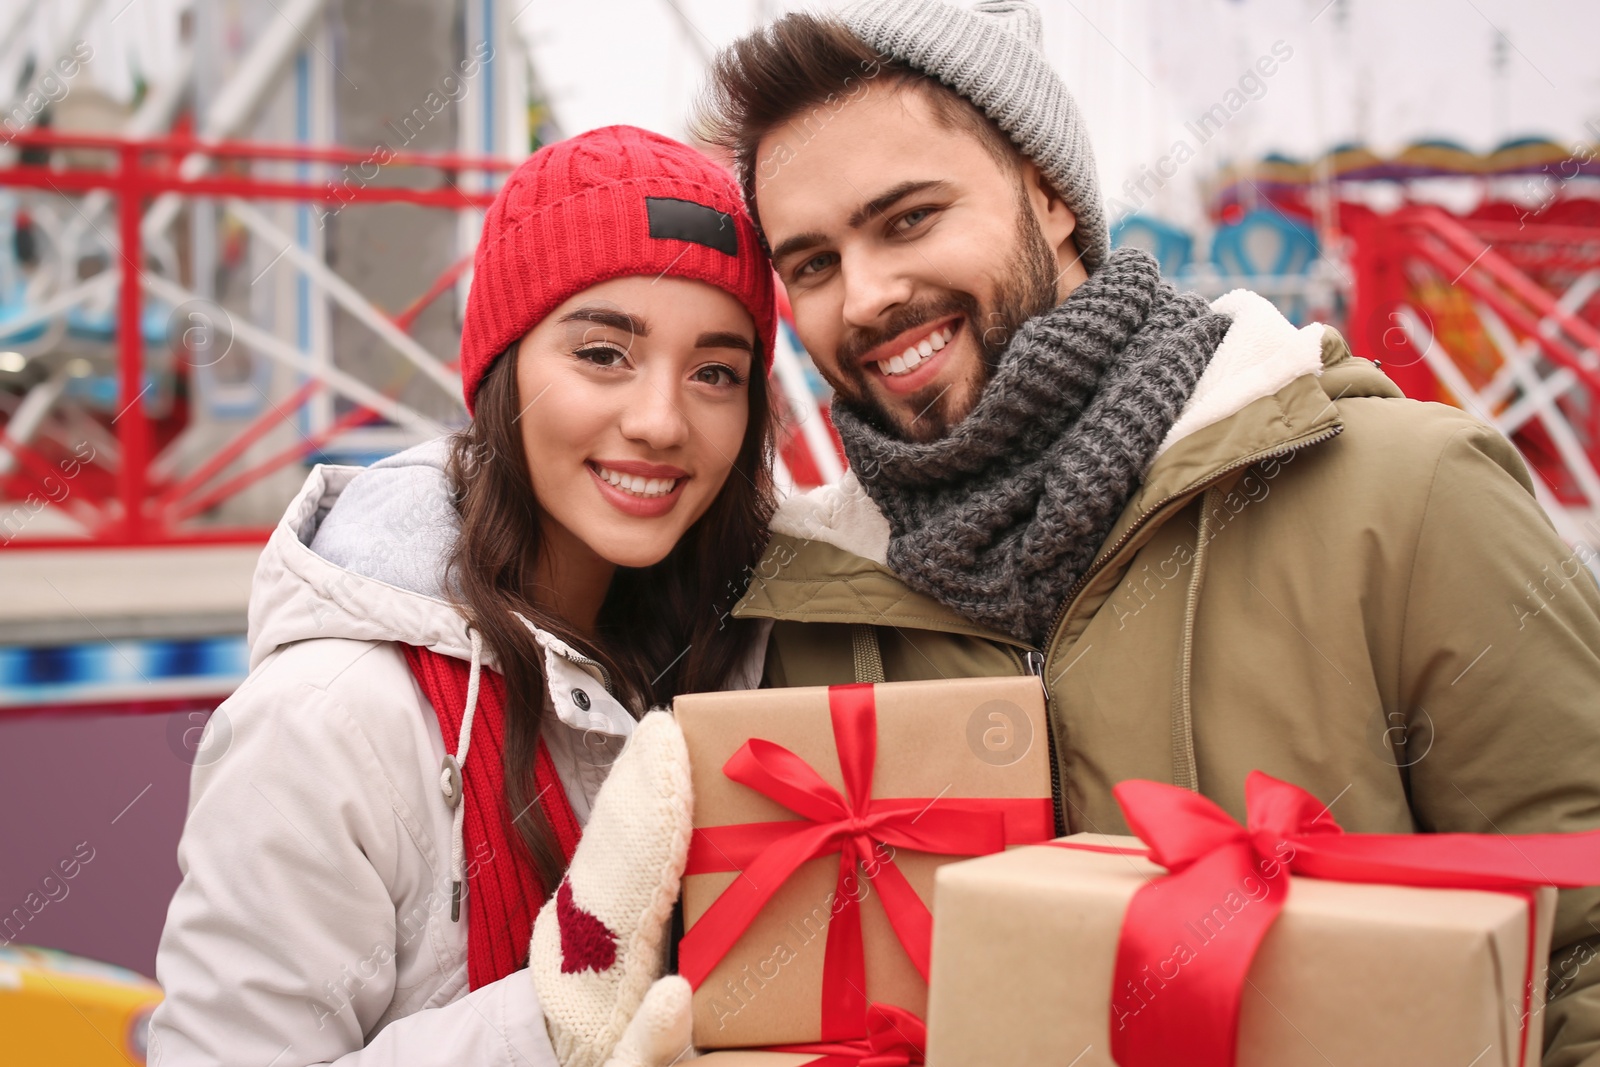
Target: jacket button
[(580, 698)]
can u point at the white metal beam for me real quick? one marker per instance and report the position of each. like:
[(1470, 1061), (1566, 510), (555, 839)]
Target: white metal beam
[(239, 98), (1540, 394), (346, 296), (1445, 369), (276, 348)]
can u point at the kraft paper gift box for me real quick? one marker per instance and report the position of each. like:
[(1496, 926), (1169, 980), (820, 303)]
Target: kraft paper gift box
[(759, 1058), (795, 922), (895, 1038), (1025, 948)]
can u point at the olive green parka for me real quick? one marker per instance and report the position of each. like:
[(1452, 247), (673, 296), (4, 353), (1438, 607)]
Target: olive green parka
[(1318, 578)]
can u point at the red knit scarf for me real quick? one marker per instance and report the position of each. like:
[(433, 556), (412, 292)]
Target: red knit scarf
[(502, 890)]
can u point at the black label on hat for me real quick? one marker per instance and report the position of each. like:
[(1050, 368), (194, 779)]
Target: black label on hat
[(685, 220)]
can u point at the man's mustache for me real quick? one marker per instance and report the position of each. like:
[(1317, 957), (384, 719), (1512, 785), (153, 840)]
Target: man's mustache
[(861, 341)]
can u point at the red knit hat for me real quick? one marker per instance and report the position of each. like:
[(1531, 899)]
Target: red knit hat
[(606, 204)]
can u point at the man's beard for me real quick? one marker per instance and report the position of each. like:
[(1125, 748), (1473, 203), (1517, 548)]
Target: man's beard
[(1027, 290)]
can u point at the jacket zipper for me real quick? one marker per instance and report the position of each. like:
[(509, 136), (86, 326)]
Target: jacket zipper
[(575, 657), (605, 675), (1033, 663)]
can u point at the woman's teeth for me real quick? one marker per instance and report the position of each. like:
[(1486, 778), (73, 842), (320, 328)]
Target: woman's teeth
[(637, 485), (912, 357)]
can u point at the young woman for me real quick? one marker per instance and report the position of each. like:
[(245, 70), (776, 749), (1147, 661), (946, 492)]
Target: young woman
[(450, 648)]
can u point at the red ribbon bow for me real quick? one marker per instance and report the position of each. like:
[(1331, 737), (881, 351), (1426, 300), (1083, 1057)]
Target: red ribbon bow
[(895, 1038), (1195, 1017), (852, 825)]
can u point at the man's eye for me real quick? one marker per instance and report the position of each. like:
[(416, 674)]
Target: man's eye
[(911, 218), (601, 355), (815, 265)]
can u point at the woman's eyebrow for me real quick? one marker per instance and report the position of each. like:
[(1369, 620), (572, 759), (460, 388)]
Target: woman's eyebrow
[(603, 316), (725, 339)]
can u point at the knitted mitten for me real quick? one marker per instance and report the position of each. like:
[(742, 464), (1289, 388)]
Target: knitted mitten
[(600, 940), (659, 1033)]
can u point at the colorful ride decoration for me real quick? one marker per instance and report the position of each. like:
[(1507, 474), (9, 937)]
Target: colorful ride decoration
[(1499, 318), (1489, 302), (1256, 244), (1264, 250), (1172, 246), (148, 675), (1264, 243), (1473, 280), (1525, 176)]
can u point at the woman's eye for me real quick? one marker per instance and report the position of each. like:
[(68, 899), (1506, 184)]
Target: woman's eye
[(718, 374), (601, 355)]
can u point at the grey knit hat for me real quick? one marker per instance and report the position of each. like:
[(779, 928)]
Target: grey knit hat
[(993, 55)]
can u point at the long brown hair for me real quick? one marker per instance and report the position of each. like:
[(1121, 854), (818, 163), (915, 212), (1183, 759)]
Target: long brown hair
[(662, 630)]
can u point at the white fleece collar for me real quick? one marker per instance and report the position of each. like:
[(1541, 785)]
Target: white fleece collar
[(841, 514), (1261, 353)]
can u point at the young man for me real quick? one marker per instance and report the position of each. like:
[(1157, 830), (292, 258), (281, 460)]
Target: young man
[(1224, 544)]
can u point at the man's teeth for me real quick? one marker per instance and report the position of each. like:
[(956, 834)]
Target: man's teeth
[(912, 357), (637, 485)]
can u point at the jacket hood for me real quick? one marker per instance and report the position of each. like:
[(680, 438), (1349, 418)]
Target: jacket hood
[(360, 554)]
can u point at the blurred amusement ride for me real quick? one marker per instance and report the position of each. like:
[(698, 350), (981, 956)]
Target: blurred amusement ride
[(201, 295)]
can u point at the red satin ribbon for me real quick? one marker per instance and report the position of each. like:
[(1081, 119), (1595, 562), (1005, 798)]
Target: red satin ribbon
[(1192, 1016), (895, 1038), (852, 825)]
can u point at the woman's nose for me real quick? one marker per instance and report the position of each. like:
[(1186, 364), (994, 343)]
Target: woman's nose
[(654, 415)]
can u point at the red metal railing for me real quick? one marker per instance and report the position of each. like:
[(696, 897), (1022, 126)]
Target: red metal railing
[(1504, 270), (146, 507)]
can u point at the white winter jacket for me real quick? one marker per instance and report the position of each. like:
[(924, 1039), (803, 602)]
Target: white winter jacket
[(312, 925)]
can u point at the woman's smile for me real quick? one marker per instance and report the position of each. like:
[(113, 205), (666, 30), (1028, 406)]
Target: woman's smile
[(643, 490)]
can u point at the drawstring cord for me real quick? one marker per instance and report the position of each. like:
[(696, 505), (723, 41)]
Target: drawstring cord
[(1185, 770), (450, 781)]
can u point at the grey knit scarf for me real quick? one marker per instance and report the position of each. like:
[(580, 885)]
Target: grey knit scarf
[(999, 518)]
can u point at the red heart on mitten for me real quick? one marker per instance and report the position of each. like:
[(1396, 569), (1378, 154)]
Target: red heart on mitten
[(587, 944)]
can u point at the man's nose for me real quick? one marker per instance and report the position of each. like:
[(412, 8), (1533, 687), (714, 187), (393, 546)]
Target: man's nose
[(873, 286)]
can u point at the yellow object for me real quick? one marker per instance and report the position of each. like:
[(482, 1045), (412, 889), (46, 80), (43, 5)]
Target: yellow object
[(67, 1011)]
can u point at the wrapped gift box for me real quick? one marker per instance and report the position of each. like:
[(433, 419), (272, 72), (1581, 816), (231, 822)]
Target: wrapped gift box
[(1025, 947), (962, 757), (895, 1038)]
